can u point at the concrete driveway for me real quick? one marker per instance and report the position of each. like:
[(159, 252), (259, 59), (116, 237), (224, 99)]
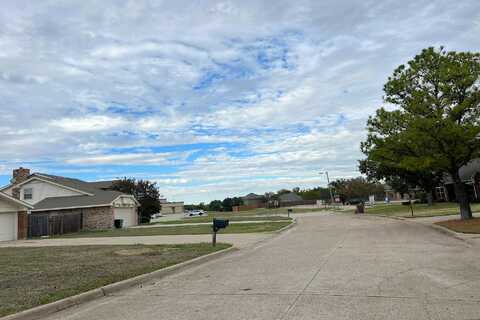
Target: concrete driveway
[(327, 267)]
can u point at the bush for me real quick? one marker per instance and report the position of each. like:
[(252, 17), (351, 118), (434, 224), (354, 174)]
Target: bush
[(423, 197)]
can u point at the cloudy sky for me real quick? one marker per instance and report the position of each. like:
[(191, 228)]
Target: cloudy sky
[(208, 98)]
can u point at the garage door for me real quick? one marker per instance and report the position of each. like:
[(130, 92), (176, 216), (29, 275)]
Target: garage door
[(127, 215), (7, 226)]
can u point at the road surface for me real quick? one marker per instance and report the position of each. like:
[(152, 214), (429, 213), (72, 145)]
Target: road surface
[(327, 267)]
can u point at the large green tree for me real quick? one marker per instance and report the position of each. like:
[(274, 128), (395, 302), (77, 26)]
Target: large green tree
[(357, 188), (146, 193), (432, 119)]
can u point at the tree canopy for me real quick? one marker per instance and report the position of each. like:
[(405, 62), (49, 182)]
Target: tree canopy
[(146, 193), (357, 189), (430, 125)]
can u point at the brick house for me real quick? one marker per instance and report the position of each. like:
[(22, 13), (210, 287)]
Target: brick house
[(469, 174), (51, 195), (253, 200)]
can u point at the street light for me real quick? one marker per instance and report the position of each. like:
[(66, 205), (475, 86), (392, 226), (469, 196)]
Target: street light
[(329, 187)]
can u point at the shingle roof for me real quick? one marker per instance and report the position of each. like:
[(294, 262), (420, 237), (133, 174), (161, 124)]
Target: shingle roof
[(252, 196), (290, 197), (466, 172), (100, 198), (17, 202), (69, 182), (102, 184)]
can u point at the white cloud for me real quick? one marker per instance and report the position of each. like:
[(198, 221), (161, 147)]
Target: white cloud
[(130, 159), (88, 124)]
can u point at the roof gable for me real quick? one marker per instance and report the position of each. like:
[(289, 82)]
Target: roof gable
[(101, 198), (14, 201), (58, 183)]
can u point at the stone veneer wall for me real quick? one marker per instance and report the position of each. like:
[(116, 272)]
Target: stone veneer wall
[(95, 218)]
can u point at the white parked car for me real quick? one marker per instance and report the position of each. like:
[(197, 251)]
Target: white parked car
[(157, 215), (195, 213)]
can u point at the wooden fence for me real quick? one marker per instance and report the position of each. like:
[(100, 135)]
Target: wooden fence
[(40, 225)]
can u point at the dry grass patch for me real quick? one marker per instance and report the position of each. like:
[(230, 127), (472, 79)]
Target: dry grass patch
[(463, 226), (33, 276)]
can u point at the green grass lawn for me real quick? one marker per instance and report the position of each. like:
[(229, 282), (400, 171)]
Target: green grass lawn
[(264, 212), (463, 226), (33, 276), (419, 210), (231, 217), (179, 230)]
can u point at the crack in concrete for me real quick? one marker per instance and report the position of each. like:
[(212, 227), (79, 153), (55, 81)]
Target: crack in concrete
[(338, 245)]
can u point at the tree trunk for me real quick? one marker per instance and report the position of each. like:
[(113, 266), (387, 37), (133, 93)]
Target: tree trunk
[(429, 198), (462, 198)]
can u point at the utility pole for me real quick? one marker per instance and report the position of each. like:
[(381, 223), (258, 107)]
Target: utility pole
[(329, 187)]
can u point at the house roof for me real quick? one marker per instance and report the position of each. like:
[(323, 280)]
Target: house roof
[(466, 172), (252, 196), (88, 187), (100, 198), (102, 184), (290, 197), (17, 202)]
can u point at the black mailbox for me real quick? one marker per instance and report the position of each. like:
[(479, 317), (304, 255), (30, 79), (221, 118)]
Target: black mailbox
[(219, 224)]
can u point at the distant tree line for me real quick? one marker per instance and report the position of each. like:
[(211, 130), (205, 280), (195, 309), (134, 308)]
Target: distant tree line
[(358, 189), (225, 205)]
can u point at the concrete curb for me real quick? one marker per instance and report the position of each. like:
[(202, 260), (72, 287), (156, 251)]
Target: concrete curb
[(48, 309), (436, 227), (448, 232), (291, 225), (273, 235)]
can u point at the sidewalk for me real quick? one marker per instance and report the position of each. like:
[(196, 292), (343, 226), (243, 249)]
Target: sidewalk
[(237, 240)]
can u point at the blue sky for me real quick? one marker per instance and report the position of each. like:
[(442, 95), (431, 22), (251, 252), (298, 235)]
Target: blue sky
[(208, 98)]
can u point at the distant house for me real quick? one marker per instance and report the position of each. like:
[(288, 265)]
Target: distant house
[(290, 198), (253, 200), (55, 196), (171, 207), (470, 175)]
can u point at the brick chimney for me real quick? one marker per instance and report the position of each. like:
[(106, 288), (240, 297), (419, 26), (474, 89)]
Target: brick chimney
[(19, 175)]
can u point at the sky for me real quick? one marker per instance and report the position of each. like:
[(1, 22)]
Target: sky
[(207, 98)]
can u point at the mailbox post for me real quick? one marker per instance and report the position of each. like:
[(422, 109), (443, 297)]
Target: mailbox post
[(289, 211), (217, 225)]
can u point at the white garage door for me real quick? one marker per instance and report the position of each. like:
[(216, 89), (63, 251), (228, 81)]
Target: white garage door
[(127, 215), (7, 226)]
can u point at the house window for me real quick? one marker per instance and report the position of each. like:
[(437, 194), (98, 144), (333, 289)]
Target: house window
[(27, 194)]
